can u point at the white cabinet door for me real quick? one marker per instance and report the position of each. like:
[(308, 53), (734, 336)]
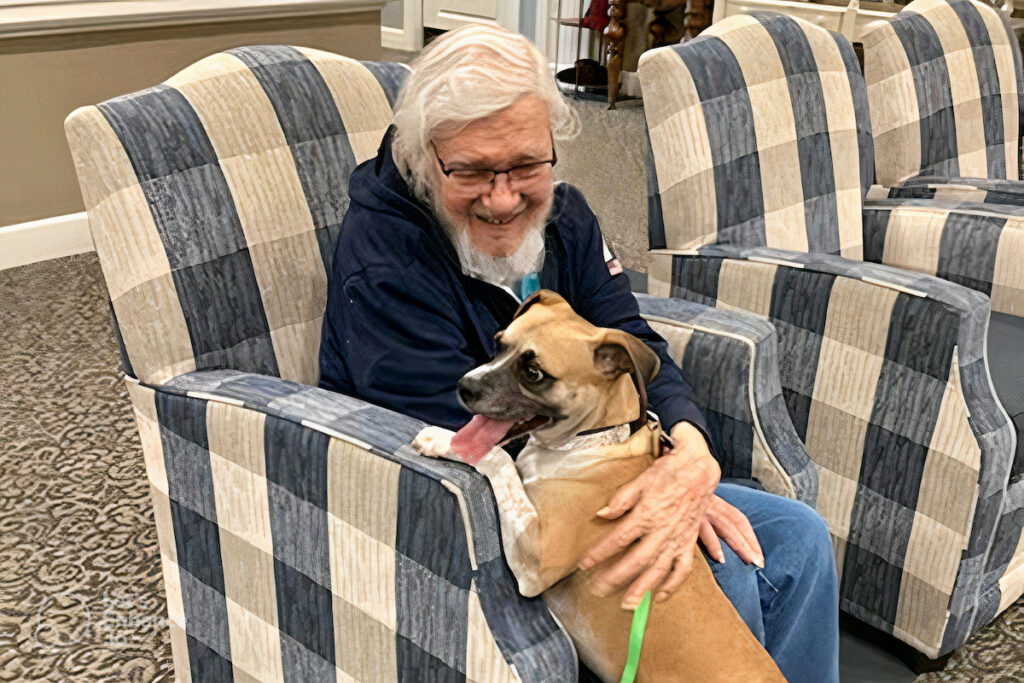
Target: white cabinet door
[(449, 14)]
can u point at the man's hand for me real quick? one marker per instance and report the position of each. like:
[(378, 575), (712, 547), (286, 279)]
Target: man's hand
[(722, 520), (665, 506)]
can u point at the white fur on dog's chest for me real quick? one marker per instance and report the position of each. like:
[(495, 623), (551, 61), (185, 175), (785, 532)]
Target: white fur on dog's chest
[(517, 514), (536, 461)]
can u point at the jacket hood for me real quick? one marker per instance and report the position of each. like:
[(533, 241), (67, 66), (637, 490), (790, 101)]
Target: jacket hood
[(378, 185)]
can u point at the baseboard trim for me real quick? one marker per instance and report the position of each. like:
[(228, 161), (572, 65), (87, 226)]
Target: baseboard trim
[(48, 238)]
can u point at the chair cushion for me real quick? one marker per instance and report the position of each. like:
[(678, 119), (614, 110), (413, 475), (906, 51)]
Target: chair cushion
[(1006, 365), (998, 191)]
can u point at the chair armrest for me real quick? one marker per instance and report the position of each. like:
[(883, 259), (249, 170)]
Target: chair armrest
[(977, 245), (731, 361), (884, 375), (976, 190), (313, 515)]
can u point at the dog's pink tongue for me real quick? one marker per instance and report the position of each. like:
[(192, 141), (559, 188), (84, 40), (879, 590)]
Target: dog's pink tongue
[(478, 437)]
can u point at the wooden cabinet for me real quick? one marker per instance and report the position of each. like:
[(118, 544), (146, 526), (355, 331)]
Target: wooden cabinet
[(449, 14), (404, 20)]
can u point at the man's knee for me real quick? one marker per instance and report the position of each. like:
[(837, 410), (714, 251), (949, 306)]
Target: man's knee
[(797, 526), (802, 547), (814, 531)]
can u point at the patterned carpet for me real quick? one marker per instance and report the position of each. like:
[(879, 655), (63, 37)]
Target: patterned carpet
[(81, 595)]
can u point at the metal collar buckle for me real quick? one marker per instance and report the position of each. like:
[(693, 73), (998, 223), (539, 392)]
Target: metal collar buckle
[(659, 439)]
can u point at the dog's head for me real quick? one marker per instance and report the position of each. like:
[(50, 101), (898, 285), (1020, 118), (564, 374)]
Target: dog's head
[(554, 375)]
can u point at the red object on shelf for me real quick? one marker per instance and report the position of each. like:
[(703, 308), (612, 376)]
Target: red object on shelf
[(596, 16)]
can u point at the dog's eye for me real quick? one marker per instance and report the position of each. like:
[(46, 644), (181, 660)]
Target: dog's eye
[(533, 374)]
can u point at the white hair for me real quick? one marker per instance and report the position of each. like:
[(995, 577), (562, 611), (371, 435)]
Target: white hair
[(463, 76)]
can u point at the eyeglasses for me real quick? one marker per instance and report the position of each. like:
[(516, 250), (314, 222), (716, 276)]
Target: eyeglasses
[(481, 179)]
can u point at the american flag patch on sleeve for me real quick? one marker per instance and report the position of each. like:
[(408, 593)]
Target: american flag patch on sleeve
[(614, 267)]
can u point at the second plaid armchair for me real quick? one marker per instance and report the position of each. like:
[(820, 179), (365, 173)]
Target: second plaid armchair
[(762, 155)]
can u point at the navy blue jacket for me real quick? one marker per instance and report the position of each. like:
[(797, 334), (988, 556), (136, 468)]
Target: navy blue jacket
[(403, 323)]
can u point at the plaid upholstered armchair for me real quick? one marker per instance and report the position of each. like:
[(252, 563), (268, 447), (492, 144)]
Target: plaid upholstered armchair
[(300, 537), (761, 158)]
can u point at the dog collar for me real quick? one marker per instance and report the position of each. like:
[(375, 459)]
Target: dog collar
[(659, 439), (603, 436)]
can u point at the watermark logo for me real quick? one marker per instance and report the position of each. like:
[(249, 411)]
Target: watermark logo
[(127, 617), (57, 622)]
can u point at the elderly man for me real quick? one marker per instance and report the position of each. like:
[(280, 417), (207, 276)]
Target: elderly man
[(459, 218)]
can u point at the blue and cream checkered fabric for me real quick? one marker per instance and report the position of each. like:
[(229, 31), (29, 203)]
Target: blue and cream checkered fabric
[(731, 361), (215, 199), (883, 373), (945, 86), (302, 539), (760, 136), (978, 245), (882, 370)]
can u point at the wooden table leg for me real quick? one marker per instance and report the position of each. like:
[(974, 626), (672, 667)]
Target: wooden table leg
[(659, 28), (615, 32), (696, 18)]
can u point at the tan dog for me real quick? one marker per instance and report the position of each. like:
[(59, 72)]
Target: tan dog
[(560, 378)]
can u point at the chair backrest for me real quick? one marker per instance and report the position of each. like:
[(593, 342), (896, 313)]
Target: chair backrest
[(215, 200), (944, 87), (760, 136)]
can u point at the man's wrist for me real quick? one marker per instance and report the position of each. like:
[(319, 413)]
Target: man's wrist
[(691, 436)]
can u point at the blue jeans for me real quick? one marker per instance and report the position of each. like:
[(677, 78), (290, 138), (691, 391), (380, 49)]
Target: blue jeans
[(792, 606)]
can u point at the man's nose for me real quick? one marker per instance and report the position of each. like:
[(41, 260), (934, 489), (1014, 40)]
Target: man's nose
[(502, 200)]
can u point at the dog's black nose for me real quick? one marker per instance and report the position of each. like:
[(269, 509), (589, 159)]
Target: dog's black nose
[(467, 392)]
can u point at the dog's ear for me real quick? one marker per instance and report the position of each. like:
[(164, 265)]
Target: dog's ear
[(545, 297), (621, 352)]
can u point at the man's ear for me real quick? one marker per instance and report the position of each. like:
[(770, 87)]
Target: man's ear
[(620, 352)]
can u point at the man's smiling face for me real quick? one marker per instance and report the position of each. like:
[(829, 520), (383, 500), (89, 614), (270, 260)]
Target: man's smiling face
[(498, 216)]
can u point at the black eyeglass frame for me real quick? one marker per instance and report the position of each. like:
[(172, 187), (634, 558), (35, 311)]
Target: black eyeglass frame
[(494, 174)]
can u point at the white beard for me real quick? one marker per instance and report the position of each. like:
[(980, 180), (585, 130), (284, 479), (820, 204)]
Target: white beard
[(503, 271)]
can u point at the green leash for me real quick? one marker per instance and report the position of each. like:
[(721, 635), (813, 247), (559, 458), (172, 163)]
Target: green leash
[(636, 638)]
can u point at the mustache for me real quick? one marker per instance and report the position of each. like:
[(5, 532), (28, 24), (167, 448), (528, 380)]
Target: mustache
[(488, 217)]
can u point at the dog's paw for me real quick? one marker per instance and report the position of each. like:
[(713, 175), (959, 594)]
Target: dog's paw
[(435, 442)]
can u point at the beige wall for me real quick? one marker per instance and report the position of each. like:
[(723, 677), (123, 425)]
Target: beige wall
[(43, 79)]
